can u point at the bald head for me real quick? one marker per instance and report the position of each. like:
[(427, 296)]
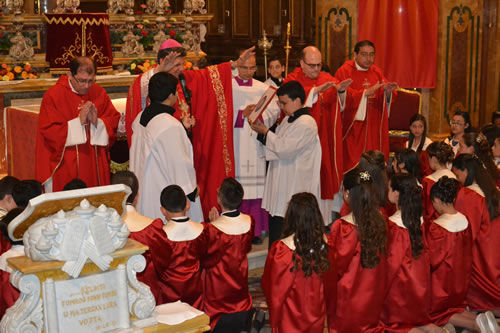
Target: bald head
[(310, 62), (84, 64)]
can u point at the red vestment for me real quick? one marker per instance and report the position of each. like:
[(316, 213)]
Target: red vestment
[(427, 183), (326, 112), (85, 161), (360, 291), (148, 276), (451, 264), (296, 303), (373, 132), (484, 289), (5, 245), (177, 266), (408, 300), (212, 107), (225, 275)]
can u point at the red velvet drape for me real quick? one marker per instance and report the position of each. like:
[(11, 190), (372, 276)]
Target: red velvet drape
[(405, 36)]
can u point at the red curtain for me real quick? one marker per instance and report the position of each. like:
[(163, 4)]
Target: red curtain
[(405, 36)]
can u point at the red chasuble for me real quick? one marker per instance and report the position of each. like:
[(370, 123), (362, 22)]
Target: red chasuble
[(178, 268), (296, 303), (225, 278), (408, 300), (326, 112), (212, 107), (148, 276), (87, 162), (451, 264), (484, 289), (360, 291), (373, 132)]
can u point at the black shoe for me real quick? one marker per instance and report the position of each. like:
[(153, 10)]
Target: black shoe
[(257, 240)]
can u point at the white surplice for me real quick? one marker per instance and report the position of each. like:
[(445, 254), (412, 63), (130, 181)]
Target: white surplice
[(161, 155), (249, 158), (294, 153)]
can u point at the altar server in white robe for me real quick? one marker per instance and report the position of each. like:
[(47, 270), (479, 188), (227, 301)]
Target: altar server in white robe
[(275, 70), (294, 152), (161, 153), (249, 157)]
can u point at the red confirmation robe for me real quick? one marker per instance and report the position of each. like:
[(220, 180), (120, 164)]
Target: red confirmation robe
[(296, 303), (64, 148), (408, 300), (484, 289), (177, 265), (360, 291), (427, 183), (365, 119), (449, 242), (326, 112), (147, 236), (212, 107), (225, 278), (9, 294)]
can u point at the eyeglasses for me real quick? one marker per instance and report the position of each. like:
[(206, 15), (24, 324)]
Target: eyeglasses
[(82, 81), (313, 66), (365, 54), (457, 123)]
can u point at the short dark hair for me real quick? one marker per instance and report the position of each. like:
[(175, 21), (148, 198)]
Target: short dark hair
[(82, 63), (173, 199), (74, 184), (275, 58), (26, 190), (127, 178), (7, 183), (161, 85), (410, 158), (165, 52), (292, 89), (230, 193), (362, 43)]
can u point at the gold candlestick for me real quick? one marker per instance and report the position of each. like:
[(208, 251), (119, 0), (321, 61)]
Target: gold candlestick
[(265, 44), (287, 47)]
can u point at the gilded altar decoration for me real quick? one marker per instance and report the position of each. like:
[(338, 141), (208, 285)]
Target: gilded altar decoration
[(67, 6), (78, 35)]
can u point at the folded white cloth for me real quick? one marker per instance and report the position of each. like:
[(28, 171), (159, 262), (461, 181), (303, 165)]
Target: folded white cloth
[(175, 313)]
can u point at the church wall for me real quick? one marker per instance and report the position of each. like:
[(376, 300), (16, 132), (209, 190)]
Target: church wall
[(468, 61)]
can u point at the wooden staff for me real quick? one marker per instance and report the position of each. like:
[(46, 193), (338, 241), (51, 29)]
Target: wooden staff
[(287, 47)]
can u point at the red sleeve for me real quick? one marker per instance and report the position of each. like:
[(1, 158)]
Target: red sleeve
[(216, 246), (133, 107), (52, 125), (473, 206), (396, 249), (108, 114), (429, 211), (277, 279), (436, 237)]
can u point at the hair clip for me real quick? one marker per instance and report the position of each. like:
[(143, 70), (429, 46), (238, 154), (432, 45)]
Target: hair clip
[(365, 175), (479, 138)]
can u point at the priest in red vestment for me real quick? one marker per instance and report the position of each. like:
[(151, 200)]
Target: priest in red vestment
[(326, 112), (365, 119), (212, 107), (76, 126)]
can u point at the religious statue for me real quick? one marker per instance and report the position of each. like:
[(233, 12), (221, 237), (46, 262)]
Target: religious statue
[(131, 45), (67, 6), (22, 47)]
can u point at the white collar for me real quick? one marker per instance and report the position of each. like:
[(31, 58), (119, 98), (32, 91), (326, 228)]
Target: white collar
[(233, 225), (288, 241), (349, 218), (397, 219), (475, 187), (359, 68), (436, 175), (130, 208), (71, 86), (452, 222), (185, 231)]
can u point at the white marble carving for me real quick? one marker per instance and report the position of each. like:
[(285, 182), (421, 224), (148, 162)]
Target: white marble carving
[(26, 315), (141, 300), (75, 236)]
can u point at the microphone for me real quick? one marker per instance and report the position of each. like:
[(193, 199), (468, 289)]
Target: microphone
[(185, 89)]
